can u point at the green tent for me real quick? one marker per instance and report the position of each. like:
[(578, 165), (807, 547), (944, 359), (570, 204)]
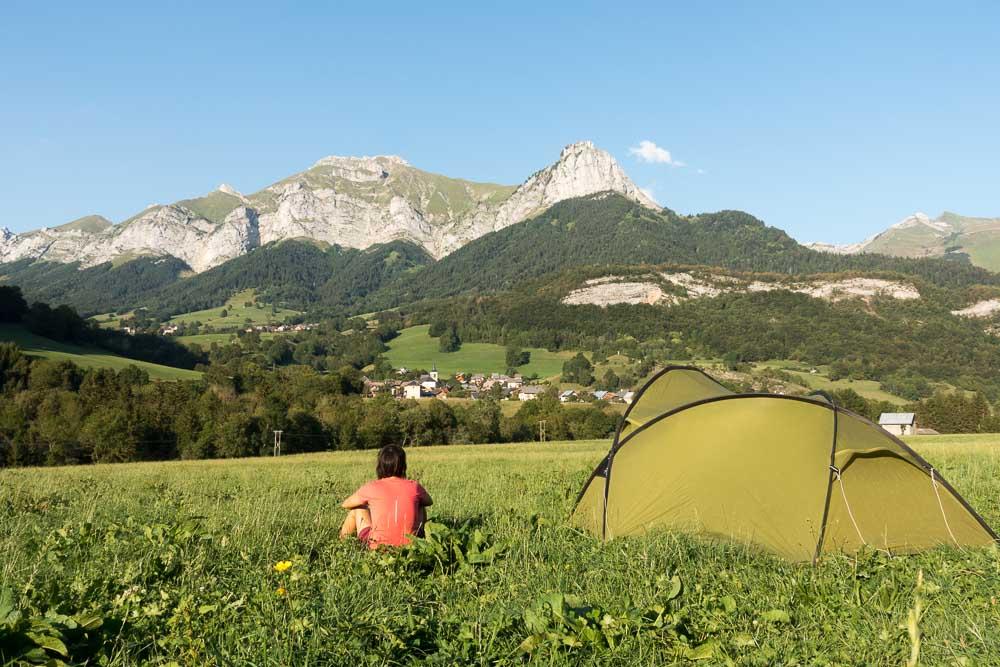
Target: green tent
[(796, 475)]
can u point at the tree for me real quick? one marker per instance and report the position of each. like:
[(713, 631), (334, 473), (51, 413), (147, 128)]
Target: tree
[(517, 357), (12, 304), (578, 370), (380, 424), (107, 435), (449, 341), (238, 435)]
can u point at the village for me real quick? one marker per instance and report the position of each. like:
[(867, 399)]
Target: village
[(416, 385)]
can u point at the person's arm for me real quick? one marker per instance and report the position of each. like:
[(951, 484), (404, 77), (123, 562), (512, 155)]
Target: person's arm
[(355, 500), (425, 498)]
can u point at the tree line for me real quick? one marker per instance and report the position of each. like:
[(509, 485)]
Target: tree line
[(56, 413)]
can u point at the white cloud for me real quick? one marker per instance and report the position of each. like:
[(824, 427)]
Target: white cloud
[(702, 171), (647, 151)]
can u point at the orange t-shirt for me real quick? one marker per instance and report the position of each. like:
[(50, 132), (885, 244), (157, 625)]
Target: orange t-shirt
[(394, 503)]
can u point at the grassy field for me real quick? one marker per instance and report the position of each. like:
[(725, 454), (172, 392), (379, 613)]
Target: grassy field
[(176, 562), (819, 380), (509, 408), (206, 340), (109, 320), (87, 357), (237, 313), (413, 348)]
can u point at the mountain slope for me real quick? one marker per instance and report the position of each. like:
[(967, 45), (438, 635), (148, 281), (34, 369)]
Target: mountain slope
[(949, 236), (86, 356), (99, 289), (345, 201), (295, 274), (608, 229), (898, 331)]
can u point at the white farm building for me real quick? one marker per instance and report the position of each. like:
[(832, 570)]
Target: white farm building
[(898, 423)]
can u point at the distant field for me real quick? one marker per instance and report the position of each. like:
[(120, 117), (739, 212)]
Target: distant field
[(206, 340), (867, 388), (985, 254), (413, 348), (237, 313), (86, 356), (108, 320), (510, 408)]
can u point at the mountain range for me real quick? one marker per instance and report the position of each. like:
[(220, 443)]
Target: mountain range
[(949, 235), (351, 202)]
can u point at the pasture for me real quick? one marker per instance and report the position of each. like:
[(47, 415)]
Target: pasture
[(238, 313), (413, 348), (86, 357), (206, 340), (869, 389), (174, 563)]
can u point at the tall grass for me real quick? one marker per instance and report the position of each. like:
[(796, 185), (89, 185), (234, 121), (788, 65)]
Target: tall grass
[(178, 557)]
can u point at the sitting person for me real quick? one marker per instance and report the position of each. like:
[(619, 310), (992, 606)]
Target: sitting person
[(390, 508)]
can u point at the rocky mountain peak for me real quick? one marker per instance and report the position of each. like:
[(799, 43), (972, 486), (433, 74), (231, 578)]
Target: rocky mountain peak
[(918, 219), (350, 201), (582, 169), (576, 148)]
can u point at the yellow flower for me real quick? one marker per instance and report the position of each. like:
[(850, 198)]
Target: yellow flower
[(282, 565), (281, 591)]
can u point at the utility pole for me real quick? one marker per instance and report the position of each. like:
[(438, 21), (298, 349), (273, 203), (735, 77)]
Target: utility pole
[(277, 443), (541, 429)]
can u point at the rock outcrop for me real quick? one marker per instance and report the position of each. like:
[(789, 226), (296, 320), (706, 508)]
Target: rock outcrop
[(674, 287), (349, 201)]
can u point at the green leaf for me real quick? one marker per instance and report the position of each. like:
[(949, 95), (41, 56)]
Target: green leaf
[(6, 603), (529, 645), (776, 616), (729, 604), (89, 621), (702, 651), (49, 643), (674, 589), (743, 640)]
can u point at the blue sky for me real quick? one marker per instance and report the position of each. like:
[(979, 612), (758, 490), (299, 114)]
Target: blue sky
[(828, 120)]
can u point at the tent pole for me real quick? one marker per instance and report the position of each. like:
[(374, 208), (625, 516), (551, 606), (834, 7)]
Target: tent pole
[(829, 486)]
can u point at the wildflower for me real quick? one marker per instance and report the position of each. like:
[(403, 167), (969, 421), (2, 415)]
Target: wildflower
[(282, 565), (281, 592)]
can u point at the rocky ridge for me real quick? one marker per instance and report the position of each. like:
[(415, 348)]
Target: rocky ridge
[(674, 287), (349, 201)]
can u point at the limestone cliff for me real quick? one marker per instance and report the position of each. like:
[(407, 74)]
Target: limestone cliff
[(349, 201)]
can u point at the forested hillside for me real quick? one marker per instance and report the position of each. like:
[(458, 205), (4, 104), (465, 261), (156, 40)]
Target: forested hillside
[(905, 344), (294, 274), (297, 274), (599, 230), (99, 289), (609, 229)]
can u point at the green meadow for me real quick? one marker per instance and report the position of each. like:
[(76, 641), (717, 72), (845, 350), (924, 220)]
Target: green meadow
[(238, 313), (174, 563), (819, 380), (87, 357), (206, 340), (413, 348)]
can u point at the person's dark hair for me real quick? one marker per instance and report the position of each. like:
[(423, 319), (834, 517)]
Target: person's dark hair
[(391, 462)]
